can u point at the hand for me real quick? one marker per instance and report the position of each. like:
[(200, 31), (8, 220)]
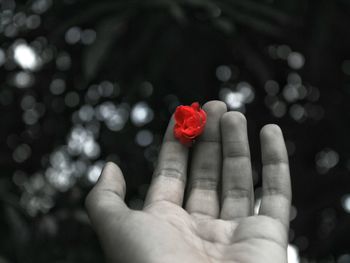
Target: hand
[(217, 223)]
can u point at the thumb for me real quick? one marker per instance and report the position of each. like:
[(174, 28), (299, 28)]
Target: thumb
[(107, 197)]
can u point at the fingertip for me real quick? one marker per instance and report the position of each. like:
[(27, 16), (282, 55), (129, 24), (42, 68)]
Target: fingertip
[(111, 167), (233, 119), (215, 106), (270, 131), (106, 198), (273, 147), (112, 179)]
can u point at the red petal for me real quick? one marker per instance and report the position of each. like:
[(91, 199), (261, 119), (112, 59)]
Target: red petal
[(195, 106), (183, 112), (203, 116), (190, 122)]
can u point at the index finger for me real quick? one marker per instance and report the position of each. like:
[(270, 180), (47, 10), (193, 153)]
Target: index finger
[(169, 177)]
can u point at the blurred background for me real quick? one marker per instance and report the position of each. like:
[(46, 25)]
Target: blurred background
[(82, 82)]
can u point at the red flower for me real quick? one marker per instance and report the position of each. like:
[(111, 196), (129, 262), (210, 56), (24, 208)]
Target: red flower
[(189, 123)]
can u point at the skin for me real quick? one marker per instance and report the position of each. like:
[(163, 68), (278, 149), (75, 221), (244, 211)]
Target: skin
[(215, 222)]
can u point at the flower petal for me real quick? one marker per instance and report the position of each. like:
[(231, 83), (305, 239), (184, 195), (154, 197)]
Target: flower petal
[(189, 123)]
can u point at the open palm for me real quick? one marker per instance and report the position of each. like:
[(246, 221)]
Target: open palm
[(217, 223)]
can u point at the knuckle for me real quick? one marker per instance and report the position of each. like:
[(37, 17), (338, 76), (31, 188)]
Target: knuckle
[(276, 159), (169, 172), (207, 183), (279, 192), (235, 149), (237, 193)]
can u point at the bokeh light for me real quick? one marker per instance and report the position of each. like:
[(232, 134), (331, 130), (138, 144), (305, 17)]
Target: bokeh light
[(346, 203), (326, 159), (344, 258), (26, 57), (144, 137), (141, 114), (57, 86), (293, 254), (94, 171), (223, 73), (296, 60), (237, 96), (2, 57)]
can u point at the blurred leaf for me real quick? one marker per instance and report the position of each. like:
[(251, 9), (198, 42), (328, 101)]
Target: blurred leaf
[(20, 232), (224, 25), (251, 21), (177, 12), (266, 10), (205, 4), (107, 32), (88, 14)]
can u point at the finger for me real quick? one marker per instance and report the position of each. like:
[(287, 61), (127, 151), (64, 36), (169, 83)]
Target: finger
[(206, 165), (277, 194), (237, 183), (169, 177), (106, 199)]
